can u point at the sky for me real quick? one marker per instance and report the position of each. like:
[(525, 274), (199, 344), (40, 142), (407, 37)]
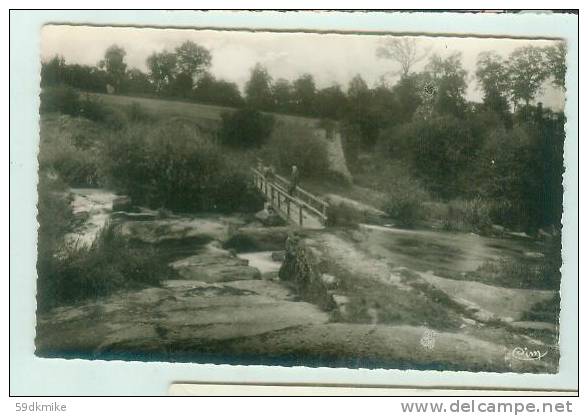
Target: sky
[(329, 58)]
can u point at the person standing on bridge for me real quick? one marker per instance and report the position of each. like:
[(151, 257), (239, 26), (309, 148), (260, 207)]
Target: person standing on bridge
[(294, 178)]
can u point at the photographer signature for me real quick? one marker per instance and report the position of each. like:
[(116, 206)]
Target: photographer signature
[(526, 354)]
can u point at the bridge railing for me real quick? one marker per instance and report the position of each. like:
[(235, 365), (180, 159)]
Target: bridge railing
[(276, 192)]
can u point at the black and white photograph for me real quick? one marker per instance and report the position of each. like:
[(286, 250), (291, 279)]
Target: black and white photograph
[(284, 198)]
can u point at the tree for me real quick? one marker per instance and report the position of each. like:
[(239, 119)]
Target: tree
[(443, 153), (556, 62), (258, 90), (527, 72), (282, 93), (445, 85), (138, 82), (245, 128), (181, 85), (404, 51), (210, 90), (162, 69), (52, 72), (304, 94), (360, 111), (114, 64), (493, 79), (192, 59), (331, 102), (408, 93)]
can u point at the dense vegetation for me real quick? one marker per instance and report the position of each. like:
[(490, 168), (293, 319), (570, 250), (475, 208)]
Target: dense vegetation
[(419, 142), (502, 157)]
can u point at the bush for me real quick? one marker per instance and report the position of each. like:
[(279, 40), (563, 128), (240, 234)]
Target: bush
[(245, 128), (63, 99), (294, 144), (70, 147), (468, 215), (66, 100), (110, 264), (405, 202), (171, 166), (341, 215)]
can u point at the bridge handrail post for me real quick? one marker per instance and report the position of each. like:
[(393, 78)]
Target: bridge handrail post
[(300, 214)]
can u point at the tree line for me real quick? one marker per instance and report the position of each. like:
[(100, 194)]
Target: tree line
[(506, 148)]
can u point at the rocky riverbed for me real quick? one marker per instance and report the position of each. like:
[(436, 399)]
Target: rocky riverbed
[(335, 301)]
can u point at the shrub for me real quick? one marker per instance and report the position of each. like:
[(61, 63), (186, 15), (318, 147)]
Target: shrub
[(171, 166), (405, 202), (294, 144), (342, 215), (245, 128), (468, 215), (110, 264), (63, 99), (70, 148)]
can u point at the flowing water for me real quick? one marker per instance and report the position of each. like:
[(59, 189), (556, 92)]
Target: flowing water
[(96, 206), (262, 260), (427, 250)]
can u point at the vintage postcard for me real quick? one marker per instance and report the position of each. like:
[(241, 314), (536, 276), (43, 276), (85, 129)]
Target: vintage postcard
[(343, 200)]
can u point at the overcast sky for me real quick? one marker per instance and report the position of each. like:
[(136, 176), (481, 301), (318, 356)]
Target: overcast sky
[(330, 58)]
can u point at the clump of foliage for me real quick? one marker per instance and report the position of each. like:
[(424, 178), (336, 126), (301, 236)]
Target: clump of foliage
[(293, 144), (342, 215), (66, 100), (63, 99), (70, 148), (406, 199), (171, 166), (467, 215), (245, 128), (109, 264)]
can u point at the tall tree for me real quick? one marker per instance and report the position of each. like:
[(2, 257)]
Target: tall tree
[(192, 59), (331, 102), (527, 71), (52, 72), (493, 79), (445, 84), (408, 94), (282, 93), (556, 62), (114, 64), (208, 89), (162, 69), (360, 112), (258, 90), (404, 51), (304, 94)]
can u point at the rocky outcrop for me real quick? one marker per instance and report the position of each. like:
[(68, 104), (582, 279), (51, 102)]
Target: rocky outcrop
[(159, 231), (248, 239), (302, 267), (212, 264)]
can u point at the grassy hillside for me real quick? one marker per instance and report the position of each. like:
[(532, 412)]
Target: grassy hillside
[(204, 113)]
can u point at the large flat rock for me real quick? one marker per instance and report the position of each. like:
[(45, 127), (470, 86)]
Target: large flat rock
[(179, 316)]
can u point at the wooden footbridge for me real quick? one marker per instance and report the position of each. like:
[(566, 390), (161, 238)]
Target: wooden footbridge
[(299, 207)]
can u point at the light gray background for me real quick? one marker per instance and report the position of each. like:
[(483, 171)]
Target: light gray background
[(34, 376)]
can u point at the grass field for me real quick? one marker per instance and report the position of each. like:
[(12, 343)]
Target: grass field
[(198, 112)]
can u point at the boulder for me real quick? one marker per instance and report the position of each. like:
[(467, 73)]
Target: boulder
[(249, 239)]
